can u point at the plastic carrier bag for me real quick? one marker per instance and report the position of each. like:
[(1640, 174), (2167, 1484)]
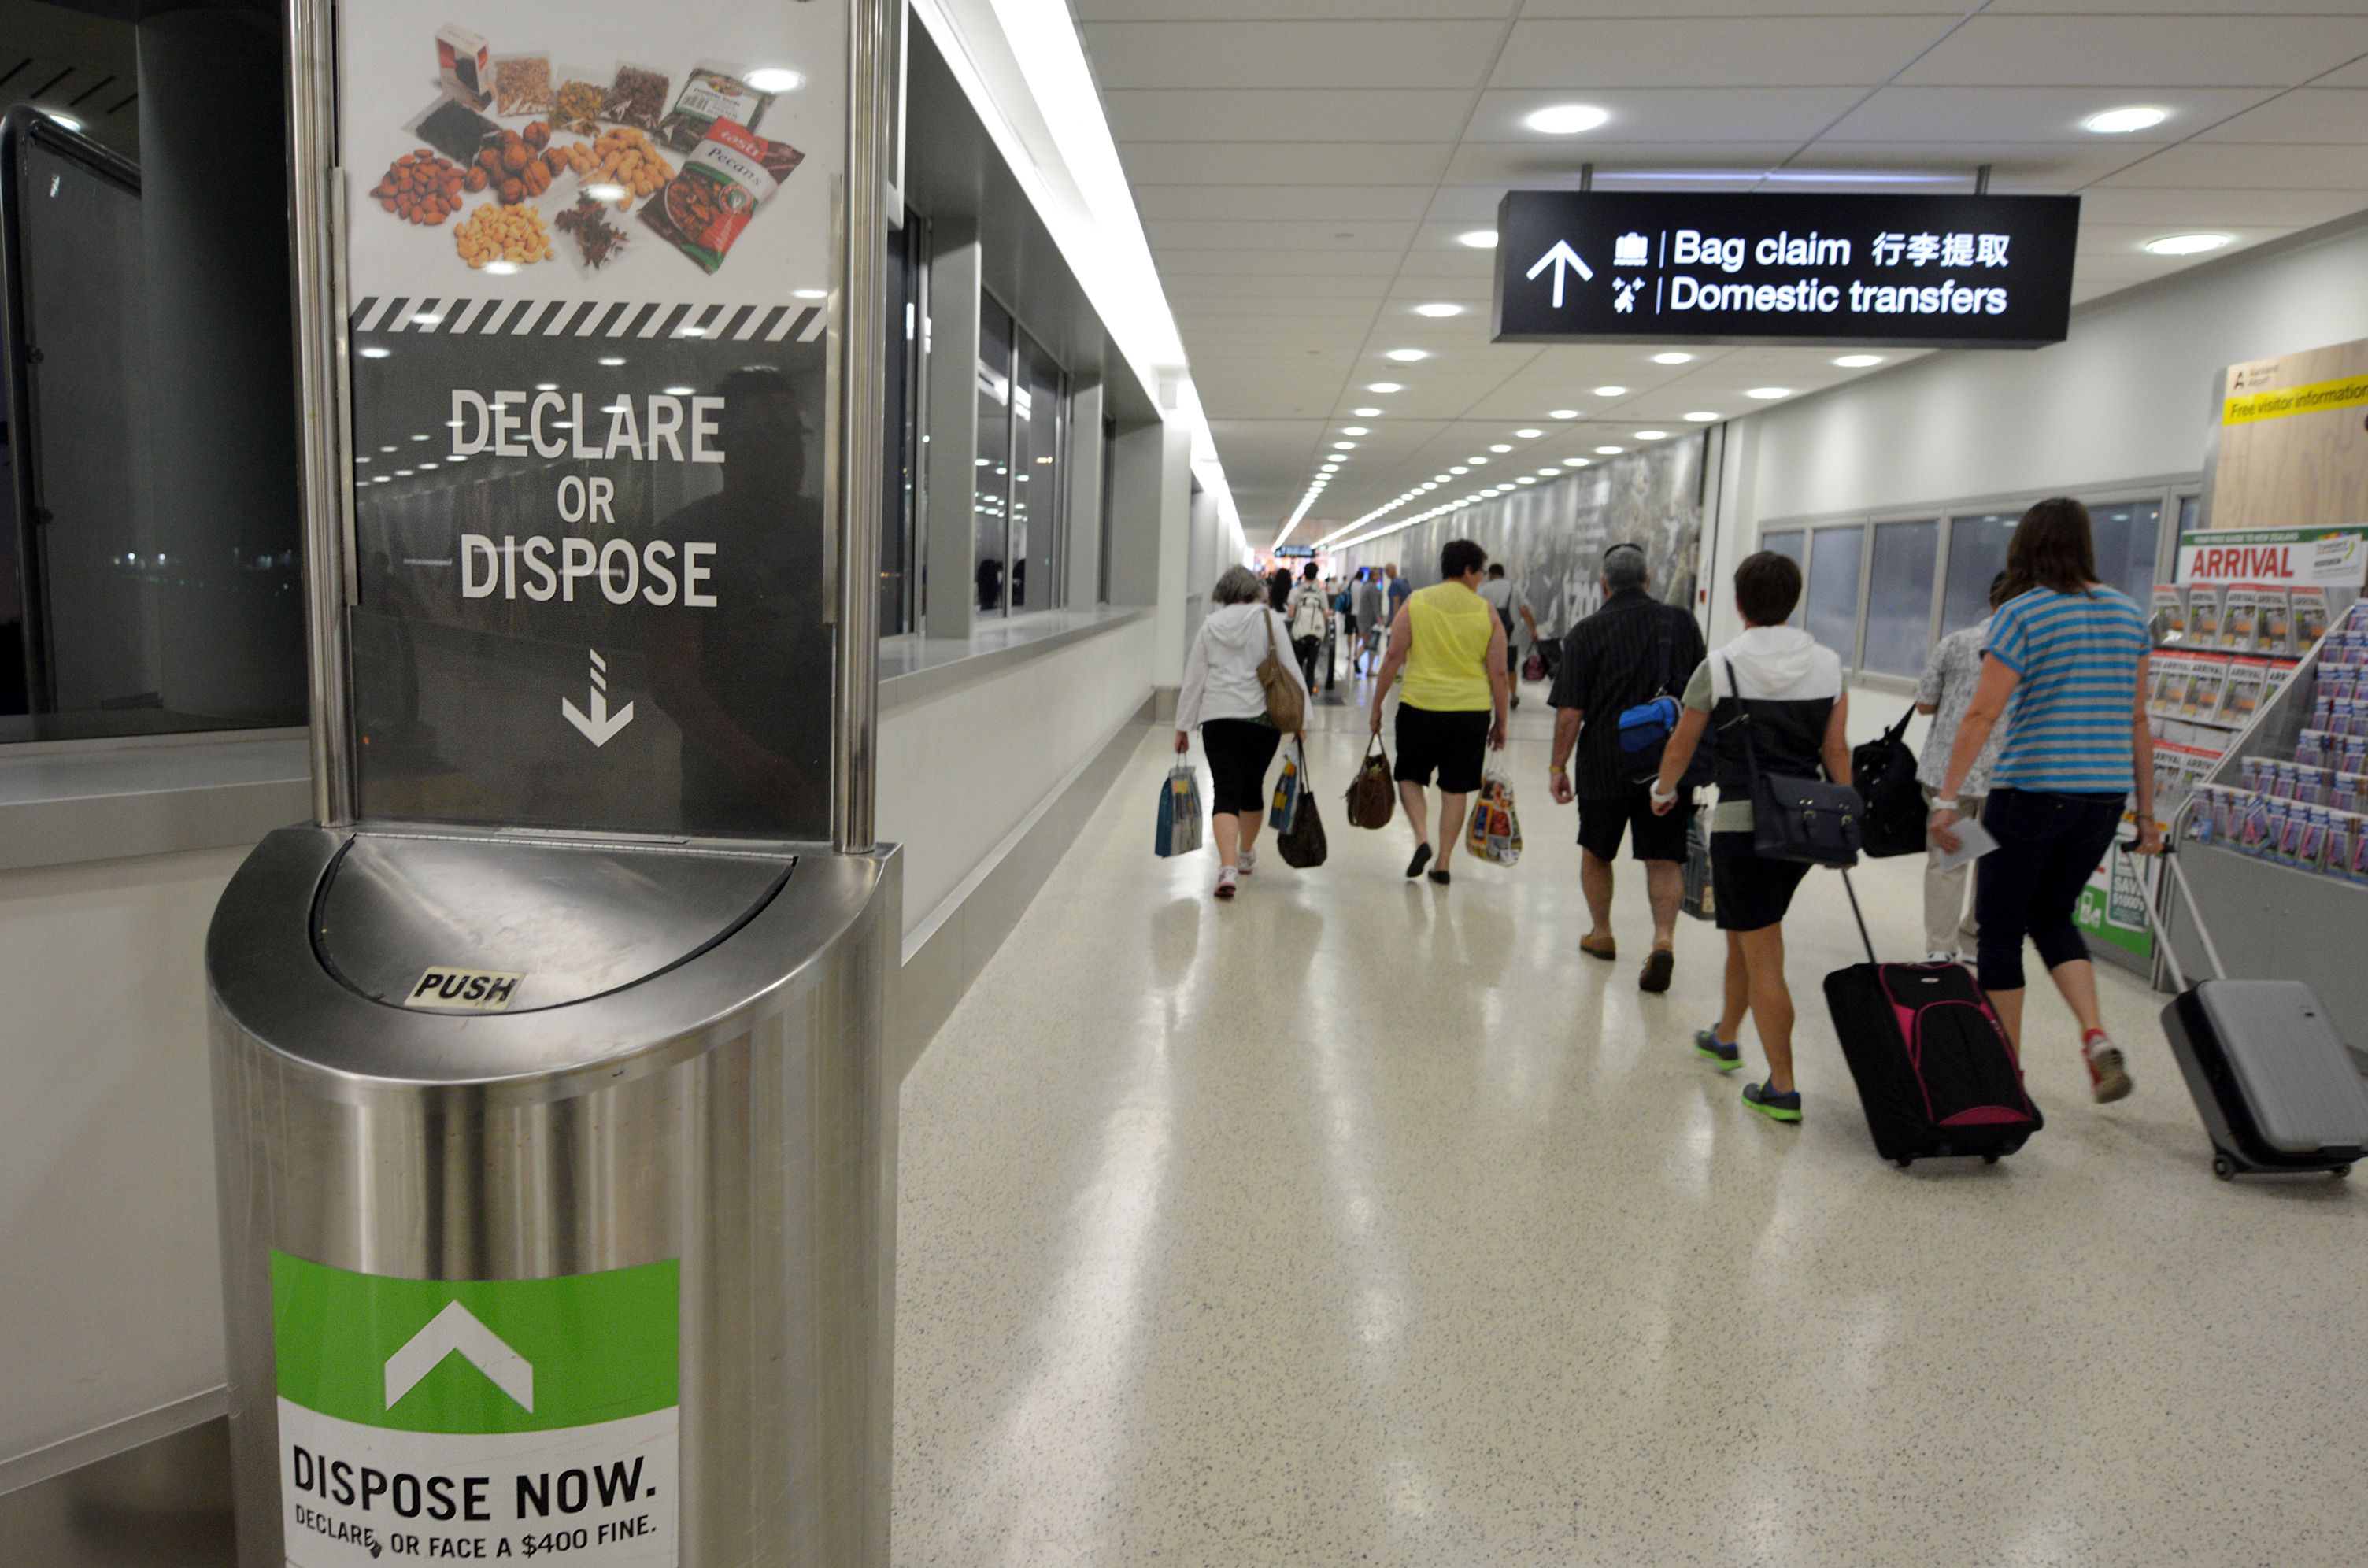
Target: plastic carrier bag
[(1495, 833), (1179, 814), (1700, 901), (1287, 787)]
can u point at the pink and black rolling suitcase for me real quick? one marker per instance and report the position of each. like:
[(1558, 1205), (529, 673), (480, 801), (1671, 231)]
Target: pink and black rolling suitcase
[(1935, 1072)]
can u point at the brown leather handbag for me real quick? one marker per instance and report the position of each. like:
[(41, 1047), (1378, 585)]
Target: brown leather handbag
[(1373, 796), (1286, 705)]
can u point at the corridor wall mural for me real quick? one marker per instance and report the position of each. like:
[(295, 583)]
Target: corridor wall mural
[(1552, 535)]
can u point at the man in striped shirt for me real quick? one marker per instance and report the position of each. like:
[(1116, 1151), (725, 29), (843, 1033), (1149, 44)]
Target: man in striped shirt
[(2065, 668)]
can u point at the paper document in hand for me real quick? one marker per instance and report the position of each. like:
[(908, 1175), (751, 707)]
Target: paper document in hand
[(1973, 841)]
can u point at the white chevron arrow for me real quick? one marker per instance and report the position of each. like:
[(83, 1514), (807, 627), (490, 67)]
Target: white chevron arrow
[(456, 1328)]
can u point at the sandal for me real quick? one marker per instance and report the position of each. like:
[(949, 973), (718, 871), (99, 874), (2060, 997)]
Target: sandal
[(1609, 951)]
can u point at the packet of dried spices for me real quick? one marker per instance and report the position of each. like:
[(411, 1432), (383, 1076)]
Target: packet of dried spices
[(637, 96), (453, 128), (522, 84), (577, 103), (711, 93), (703, 209)]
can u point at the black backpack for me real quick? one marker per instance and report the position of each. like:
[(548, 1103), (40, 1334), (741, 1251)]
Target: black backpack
[(1883, 770)]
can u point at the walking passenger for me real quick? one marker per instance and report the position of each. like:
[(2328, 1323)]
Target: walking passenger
[(1395, 591), (1946, 690), (1310, 613), (1372, 609), (1452, 710), (2065, 668), (1612, 661), (1504, 598), (1786, 689), (1222, 697)]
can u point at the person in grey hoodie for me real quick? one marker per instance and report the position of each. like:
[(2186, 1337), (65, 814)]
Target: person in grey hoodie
[(1798, 718), (1222, 696)]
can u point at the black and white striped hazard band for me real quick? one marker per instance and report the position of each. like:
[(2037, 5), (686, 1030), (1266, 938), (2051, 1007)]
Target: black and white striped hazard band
[(588, 318)]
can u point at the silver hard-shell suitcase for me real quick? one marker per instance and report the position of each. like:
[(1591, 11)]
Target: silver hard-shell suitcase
[(2274, 1086)]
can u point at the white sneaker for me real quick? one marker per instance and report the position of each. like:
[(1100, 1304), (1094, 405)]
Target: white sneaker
[(1246, 862), (1225, 882), (1940, 955)]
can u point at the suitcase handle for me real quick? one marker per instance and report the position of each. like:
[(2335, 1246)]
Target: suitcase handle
[(2170, 858), (1859, 917)]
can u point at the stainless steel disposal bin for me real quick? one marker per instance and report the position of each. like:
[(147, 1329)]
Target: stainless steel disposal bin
[(558, 1204)]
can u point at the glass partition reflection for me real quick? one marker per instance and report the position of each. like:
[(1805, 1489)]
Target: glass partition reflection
[(1832, 595), (991, 523), (1900, 596)]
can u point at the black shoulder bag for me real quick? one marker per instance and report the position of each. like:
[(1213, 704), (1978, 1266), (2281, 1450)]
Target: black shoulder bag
[(1794, 818)]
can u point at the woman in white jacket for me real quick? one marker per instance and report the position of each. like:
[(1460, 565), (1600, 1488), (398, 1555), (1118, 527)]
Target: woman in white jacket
[(1222, 698)]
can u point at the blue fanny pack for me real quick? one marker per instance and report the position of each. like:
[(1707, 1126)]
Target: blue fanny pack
[(1648, 725)]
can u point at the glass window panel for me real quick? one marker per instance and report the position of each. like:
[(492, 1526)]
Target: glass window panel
[(1832, 594), (2127, 533), (1038, 409), (1900, 596), (1110, 509), (2191, 513), (1976, 555), (992, 463), (901, 455), (1788, 542)]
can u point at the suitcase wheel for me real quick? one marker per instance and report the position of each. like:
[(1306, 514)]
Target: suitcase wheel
[(1903, 1164), (2340, 1172), (1990, 1159), (2224, 1167)]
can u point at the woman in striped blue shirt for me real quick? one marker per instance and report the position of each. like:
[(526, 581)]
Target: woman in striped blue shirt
[(2065, 666)]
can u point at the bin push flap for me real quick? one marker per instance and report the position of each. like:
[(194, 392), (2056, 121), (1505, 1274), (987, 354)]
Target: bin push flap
[(491, 924)]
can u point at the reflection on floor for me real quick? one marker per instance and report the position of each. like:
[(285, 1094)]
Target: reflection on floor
[(1365, 1222)]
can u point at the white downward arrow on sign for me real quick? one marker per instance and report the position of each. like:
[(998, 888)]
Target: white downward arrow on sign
[(1560, 259), (602, 725), (456, 1328)]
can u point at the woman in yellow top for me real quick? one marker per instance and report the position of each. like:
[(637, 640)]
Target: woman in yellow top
[(1451, 646)]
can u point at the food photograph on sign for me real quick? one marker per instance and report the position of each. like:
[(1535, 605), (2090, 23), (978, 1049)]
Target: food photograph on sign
[(589, 259)]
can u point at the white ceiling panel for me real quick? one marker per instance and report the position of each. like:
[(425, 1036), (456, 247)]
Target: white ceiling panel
[(1273, 203), (2352, 75), (2236, 51), (1673, 9), (1406, 114), (1333, 234), (2176, 7), (1292, 55), (1341, 263), (2204, 165), (2311, 116), (1240, 164), (1750, 112), (1291, 10), (1734, 51), (1530, 164), (2051, 114), (2220, 207)]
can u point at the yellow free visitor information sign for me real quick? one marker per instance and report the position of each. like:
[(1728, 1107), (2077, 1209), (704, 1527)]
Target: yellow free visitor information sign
[(2318, 397)]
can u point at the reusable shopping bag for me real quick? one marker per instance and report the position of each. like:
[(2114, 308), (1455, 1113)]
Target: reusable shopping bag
[(1371, 796), (1699, 902), (1494, 831), (1287, 788), (1302, 845), (1179, 813)]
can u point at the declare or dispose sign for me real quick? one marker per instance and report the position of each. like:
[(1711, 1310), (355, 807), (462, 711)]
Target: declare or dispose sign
[(2300, 558), (1901, 271), (483, 1421)]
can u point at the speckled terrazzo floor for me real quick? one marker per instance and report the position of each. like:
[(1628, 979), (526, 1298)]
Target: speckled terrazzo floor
[(1366, 1222)]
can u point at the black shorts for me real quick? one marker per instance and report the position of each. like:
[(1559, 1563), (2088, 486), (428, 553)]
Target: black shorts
[(1240, 750), (1601, 824), (1753, 893), (1452, 743)]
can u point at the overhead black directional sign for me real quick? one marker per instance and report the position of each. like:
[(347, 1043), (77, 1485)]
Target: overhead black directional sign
[(1888, 271)]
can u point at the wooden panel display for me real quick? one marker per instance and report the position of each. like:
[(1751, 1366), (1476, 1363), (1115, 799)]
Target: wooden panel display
[(2292, 443)]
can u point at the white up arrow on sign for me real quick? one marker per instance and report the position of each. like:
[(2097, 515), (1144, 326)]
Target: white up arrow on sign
[(1560, 259), (456, 1328), (602, 725)]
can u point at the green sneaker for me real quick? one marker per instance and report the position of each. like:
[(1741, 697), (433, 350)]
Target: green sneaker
[(1764, 1099), (1725, 1055)]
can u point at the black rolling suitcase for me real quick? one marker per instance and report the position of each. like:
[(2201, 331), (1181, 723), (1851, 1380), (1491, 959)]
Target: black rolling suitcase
[(1936, 1074), (2275, 1087)]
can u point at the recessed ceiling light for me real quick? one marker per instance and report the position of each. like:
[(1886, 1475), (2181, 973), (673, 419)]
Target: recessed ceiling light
[(1344, 446), (611, 361), (374, 352), (1566, 119), (1384, 388), (546, 386), (1366, 412), (1612, 391), (1769, 394), (775, 79), (1652, 435), (1701, 416), (680, 392), (1858, 361), (1561, 413), (1476, 460), (1608, 451), (1407, 356), (1578, 462), (1501, 447), (386, 448), (1548, 473), (1440, 308), (1478, 239), (1673, 358), (1529, 435), (1526, 479), (2122, 121), (1354, 430), (2185, 244), (1459, 468)]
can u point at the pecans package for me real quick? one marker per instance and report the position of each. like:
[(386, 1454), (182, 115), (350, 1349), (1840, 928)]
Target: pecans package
[(637, 96), (708, 94), (521, 84), (732, 173)]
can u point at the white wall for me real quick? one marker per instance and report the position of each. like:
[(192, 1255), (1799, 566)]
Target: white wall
[(111, 1292), (959, 772)]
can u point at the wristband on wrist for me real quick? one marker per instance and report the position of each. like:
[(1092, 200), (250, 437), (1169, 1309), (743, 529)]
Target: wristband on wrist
[(1556, 767), (1660, 794), (1944, 802)]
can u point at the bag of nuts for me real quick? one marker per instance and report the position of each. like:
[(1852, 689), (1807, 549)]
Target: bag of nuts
[(575, 106), (521, 84), (704, 208)]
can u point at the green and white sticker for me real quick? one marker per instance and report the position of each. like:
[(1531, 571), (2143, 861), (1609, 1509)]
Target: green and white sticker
[(480, 1420)]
